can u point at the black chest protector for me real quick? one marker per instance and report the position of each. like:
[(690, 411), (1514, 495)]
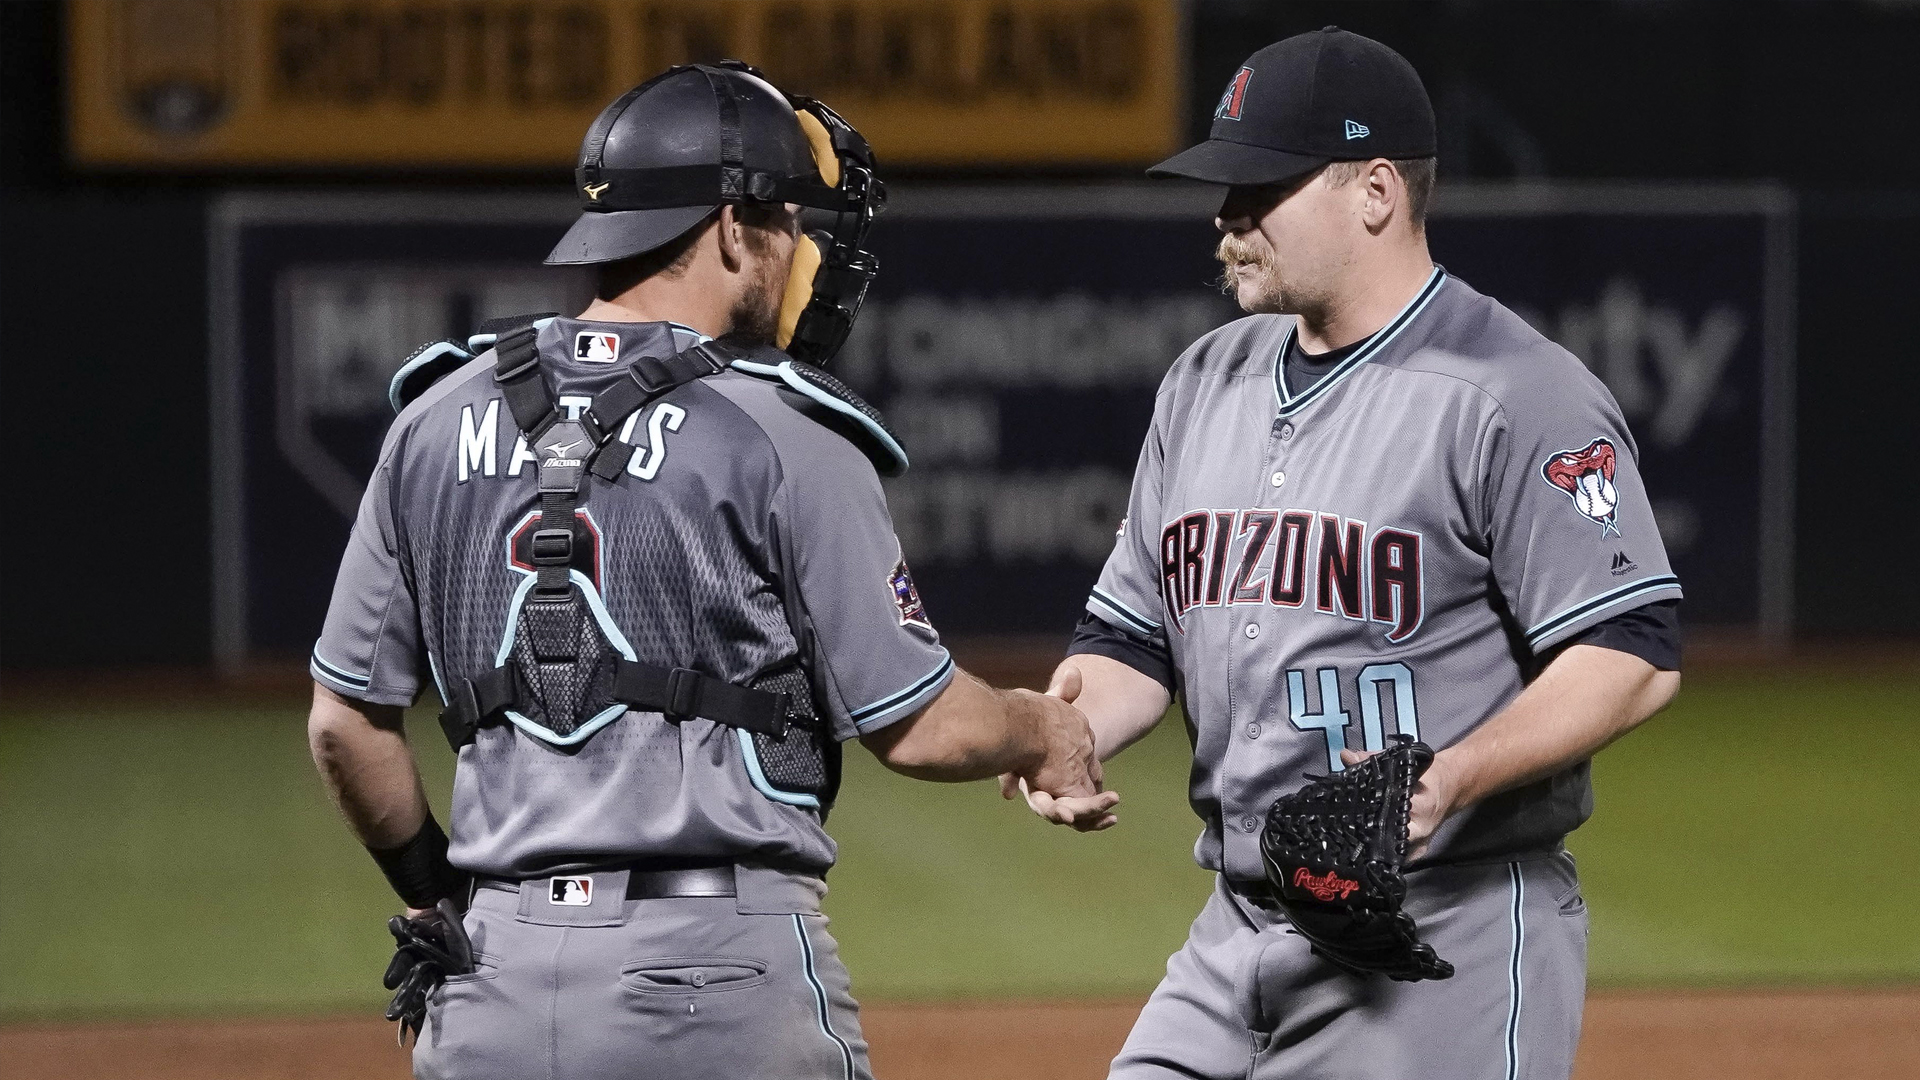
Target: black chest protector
[(564, 670)]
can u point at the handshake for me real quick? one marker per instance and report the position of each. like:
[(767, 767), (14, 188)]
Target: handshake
[(1065, 785)]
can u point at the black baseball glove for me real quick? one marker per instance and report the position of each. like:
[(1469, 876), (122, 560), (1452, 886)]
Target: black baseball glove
[(1333, 852), (430, 948)]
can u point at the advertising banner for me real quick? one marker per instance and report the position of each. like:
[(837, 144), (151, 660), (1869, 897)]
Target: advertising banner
[(208, 84), (1015, 340)]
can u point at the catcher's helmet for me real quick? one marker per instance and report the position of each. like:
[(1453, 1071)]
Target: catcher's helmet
[(668, 152), (663, 156)]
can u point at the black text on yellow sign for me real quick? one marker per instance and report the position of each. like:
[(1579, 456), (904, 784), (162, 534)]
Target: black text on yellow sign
[(491, 83)]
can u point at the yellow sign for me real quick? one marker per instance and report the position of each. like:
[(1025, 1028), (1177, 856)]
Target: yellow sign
[(508, 83)]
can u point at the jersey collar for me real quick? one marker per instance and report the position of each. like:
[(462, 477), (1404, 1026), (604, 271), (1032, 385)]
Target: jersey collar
[(1291, 403)]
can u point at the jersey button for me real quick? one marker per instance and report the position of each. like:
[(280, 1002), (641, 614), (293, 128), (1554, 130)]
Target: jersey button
[(1286, 432), (1253, 731), (1249, 823), (1253, 630), (1279, 478)]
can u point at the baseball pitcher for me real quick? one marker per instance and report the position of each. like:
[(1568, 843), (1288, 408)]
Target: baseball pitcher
[(1391, 548)]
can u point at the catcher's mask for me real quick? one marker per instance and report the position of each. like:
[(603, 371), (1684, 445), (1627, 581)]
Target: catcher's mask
[(657, 161)]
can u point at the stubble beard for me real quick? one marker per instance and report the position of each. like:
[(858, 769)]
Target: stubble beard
[(756, 316)]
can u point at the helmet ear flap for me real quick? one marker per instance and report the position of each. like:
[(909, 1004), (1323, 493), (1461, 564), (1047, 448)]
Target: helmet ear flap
[(806, 265)]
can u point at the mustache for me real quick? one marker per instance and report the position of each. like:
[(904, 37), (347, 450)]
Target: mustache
[(1234, 253)]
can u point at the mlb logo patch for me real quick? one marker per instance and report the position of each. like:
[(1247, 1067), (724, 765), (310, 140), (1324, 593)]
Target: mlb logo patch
[(906, 597), (571, 891), (594, 347)]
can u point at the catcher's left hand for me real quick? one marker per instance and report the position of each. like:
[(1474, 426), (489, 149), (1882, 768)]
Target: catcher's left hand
[(1334, 851), (431, 947)]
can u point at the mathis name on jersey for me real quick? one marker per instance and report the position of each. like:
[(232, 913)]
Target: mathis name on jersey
[(1220, 558), (477, 446)]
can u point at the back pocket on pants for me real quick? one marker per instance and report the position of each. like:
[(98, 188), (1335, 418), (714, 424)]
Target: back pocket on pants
[(692, 974)]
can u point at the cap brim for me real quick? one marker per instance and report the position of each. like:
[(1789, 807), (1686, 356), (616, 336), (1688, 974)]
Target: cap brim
[(1218, 161), (604, 236)]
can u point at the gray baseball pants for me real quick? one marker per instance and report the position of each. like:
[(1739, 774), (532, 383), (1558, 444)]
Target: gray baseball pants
[(1245, 999), (677, 989)]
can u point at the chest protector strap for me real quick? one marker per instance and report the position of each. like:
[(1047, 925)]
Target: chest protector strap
[(564, 669)]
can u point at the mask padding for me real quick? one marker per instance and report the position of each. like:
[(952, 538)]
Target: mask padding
[(806, 264), (824, 158)]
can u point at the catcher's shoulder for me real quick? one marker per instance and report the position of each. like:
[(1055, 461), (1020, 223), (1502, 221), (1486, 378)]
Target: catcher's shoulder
[(810, 418)]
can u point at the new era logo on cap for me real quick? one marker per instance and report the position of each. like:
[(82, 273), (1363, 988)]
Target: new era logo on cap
[(594, 347), (571, 891), (1235, 98), (1357, 130)]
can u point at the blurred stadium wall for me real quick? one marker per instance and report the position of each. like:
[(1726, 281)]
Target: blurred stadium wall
[(111, 266)]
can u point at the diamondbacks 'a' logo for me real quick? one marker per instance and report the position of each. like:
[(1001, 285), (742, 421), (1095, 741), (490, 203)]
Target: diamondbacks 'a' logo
[(906, 597), (1586, 476), (1235, 98)]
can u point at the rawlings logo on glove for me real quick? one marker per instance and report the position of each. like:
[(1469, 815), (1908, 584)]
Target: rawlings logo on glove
[(1329, 886), (1333, 852)]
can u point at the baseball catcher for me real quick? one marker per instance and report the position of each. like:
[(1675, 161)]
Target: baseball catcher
[(643, 557)]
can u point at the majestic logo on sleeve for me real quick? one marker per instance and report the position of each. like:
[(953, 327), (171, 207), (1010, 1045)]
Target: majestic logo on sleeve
[(1586, 475), (1235, 98), (906, 597)]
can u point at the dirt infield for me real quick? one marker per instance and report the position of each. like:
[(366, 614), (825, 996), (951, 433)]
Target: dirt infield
[(1851, 1034)]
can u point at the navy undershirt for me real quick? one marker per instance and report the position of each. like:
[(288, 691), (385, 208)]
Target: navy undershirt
[(1302, 369)]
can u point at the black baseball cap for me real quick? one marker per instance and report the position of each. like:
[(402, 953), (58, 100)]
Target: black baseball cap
[(1297, 104)]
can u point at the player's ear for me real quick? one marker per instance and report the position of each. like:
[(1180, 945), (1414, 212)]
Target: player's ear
[(732, 234), (1383, 192)]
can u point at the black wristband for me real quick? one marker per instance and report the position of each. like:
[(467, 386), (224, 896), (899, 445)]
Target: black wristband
[(419, 871)]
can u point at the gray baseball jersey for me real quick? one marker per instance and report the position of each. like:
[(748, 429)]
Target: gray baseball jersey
[(1388, 551), (735, 497)]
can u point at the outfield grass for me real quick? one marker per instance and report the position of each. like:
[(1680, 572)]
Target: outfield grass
[(1765, 830)]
